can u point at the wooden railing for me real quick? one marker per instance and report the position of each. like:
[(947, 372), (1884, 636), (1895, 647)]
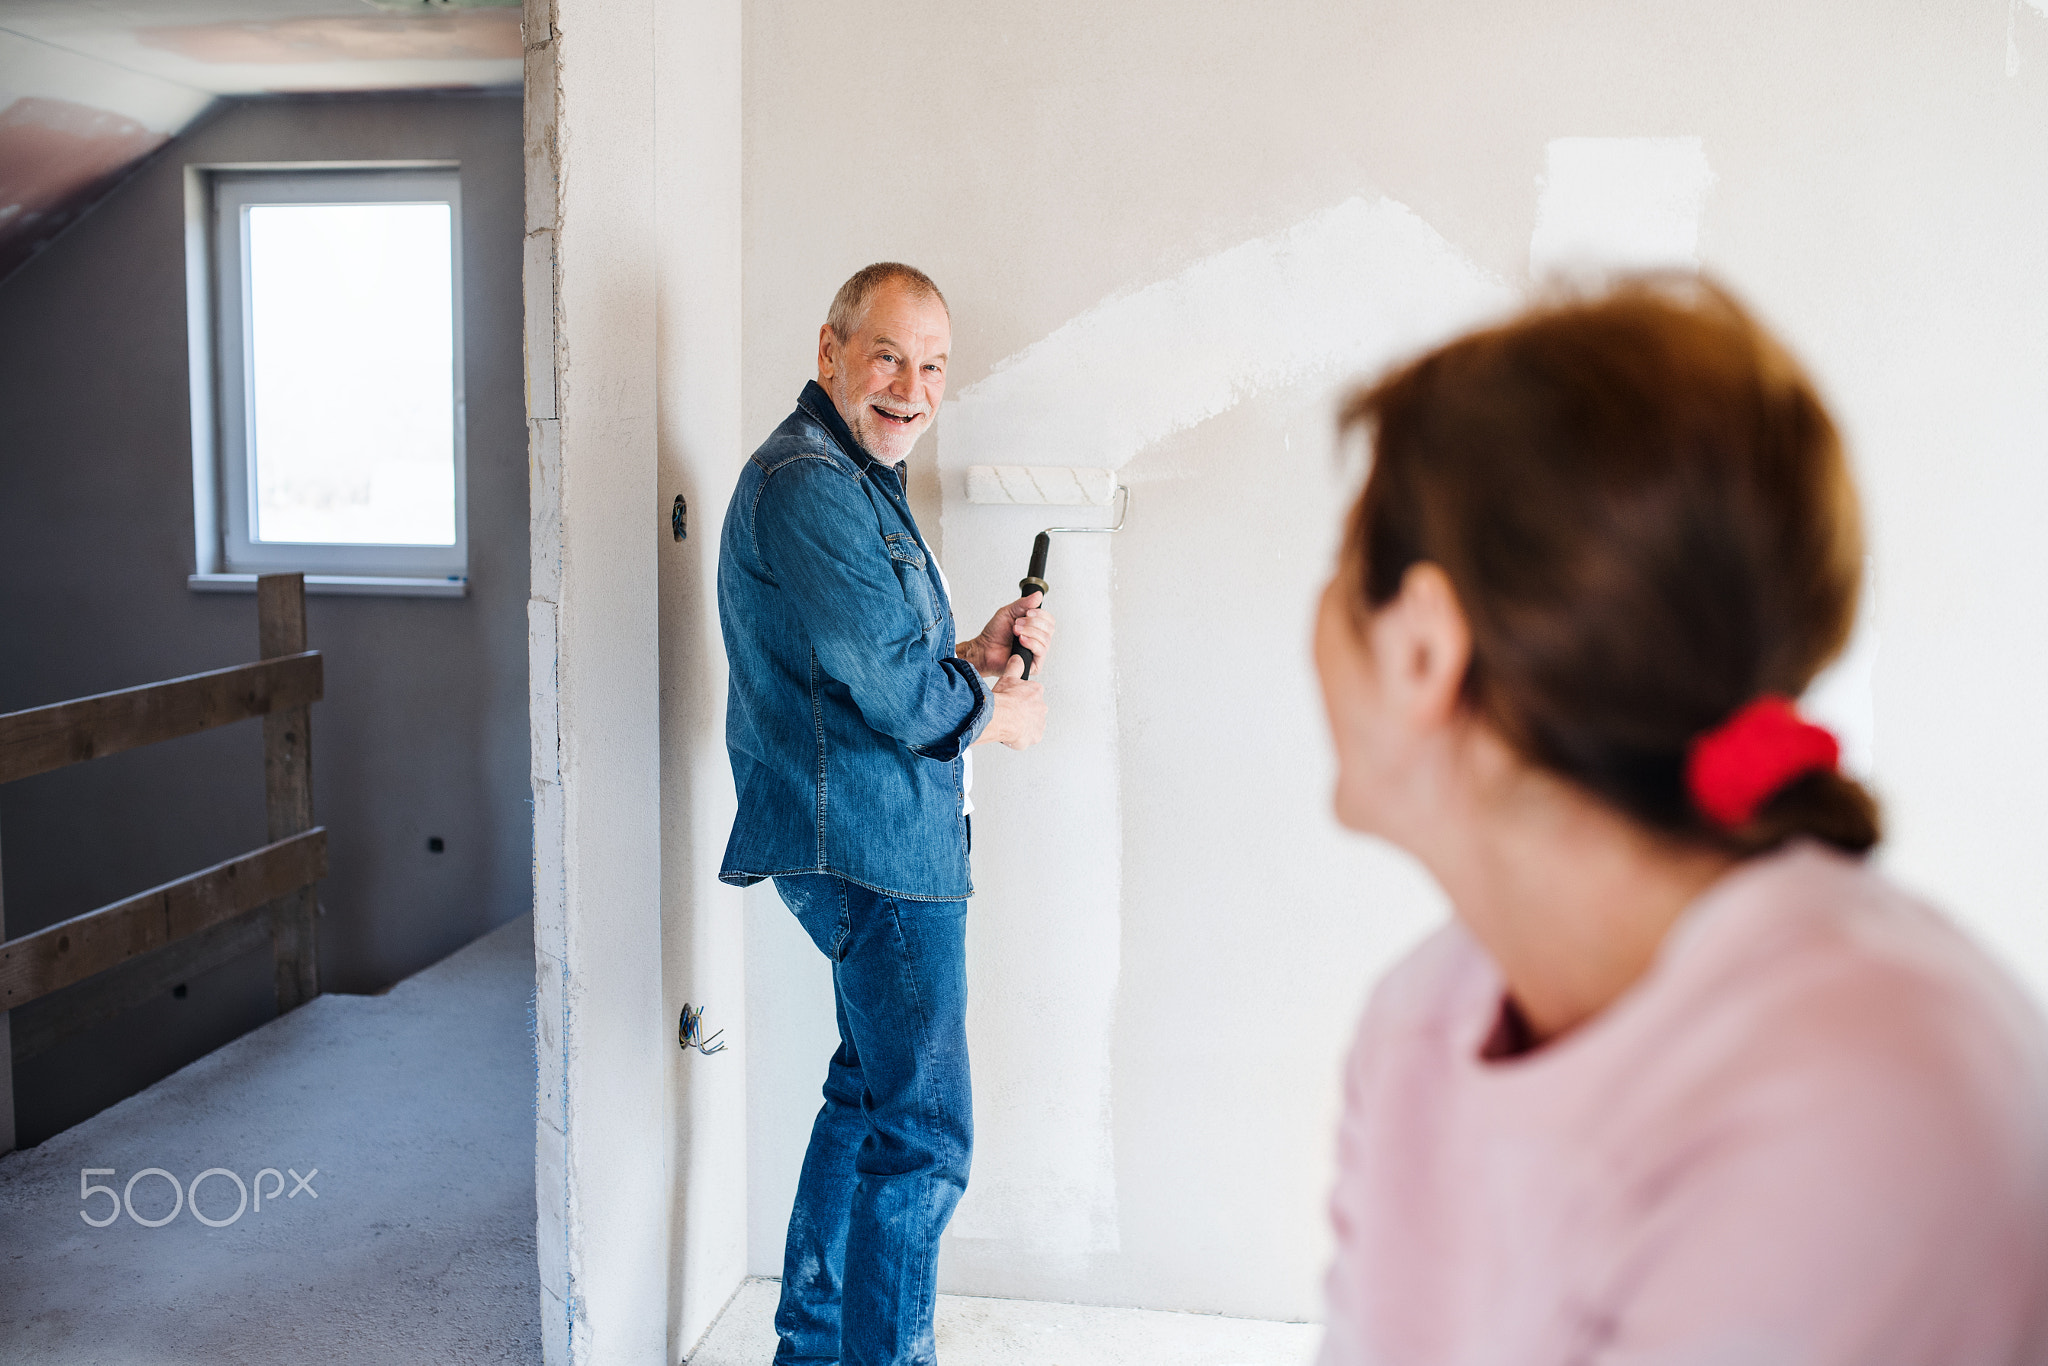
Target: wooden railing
[(91, 967)]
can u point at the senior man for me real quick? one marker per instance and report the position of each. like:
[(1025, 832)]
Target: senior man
[(851, 711)]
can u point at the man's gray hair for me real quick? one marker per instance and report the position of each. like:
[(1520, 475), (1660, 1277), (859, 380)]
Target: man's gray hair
[(850, 304)]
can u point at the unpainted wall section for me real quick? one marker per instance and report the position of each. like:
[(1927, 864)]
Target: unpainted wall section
[(423, 730), (698, 174), (1879, 183)]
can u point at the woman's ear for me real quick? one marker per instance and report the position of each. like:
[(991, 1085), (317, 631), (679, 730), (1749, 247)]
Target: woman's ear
[(1422, 644)]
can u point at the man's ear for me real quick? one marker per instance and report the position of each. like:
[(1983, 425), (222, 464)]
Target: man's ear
[(1431, 647), (828, 353)]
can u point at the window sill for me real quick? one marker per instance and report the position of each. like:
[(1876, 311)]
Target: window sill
[(348, 585)]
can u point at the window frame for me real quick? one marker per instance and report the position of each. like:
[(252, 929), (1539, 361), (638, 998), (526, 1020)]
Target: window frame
[(223, 506)]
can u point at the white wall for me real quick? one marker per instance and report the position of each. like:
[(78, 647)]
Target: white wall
[(606, 1114), (633, 317), (1168, 952), (698, 322)]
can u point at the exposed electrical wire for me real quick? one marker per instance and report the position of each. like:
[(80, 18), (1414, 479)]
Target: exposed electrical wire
[(688, 1029)]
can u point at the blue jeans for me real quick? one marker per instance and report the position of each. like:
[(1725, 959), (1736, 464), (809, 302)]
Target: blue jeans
[(889, 1151)]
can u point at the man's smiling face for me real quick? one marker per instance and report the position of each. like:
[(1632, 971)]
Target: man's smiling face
[(888, 377)]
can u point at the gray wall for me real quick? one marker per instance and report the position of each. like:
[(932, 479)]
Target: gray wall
[(423, 730)]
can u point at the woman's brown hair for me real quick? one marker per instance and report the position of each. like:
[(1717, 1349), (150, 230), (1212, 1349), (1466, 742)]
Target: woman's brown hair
[(1647, 517)]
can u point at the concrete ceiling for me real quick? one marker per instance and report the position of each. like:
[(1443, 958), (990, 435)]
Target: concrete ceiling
[(90, 87)]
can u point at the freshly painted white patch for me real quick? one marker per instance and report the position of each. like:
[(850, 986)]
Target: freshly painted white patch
[(2012, 37), (1619, 203), (1338, 295), (1044, 940), (1344, 292)]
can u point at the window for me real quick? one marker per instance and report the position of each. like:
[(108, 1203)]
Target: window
[(336, 359)]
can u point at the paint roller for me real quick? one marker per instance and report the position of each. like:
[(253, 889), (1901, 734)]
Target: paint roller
[(1047, 486)]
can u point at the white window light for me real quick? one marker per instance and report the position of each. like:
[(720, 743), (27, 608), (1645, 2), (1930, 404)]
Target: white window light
[(327, 384)]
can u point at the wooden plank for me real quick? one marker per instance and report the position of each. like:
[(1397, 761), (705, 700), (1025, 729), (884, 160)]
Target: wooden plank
[(105, 995), (44, 738), (287, 731), (288, 788), (280, 615), (294, 930), (71, 950)]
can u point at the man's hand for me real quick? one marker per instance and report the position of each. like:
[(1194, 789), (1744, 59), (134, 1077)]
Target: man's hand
[(1023, 620), (1019, 719)]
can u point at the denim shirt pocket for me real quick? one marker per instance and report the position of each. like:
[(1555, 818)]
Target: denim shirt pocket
[(907, 558)]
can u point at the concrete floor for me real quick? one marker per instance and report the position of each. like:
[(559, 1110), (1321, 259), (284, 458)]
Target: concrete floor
[(980, 1332), (413, 1244)]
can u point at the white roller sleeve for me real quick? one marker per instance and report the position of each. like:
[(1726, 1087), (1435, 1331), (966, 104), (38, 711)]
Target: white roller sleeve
[(1040, 484)]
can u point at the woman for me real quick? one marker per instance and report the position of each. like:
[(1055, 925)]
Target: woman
[(1685, 1080)]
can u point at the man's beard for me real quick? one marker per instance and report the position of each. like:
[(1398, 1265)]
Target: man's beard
[(874, 434)]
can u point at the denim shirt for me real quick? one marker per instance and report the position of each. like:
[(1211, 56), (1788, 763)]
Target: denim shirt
[(847, 712)]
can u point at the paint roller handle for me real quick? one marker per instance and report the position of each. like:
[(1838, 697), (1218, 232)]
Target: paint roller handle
[(1033, 582)]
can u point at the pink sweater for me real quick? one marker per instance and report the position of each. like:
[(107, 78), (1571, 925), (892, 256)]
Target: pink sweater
[(1814, 1134)]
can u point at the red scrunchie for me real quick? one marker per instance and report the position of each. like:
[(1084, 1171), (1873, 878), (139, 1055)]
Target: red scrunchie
[(1736, 767)]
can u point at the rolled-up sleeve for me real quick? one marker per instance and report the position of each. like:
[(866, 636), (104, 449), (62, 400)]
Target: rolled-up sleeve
[(814, 530)]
